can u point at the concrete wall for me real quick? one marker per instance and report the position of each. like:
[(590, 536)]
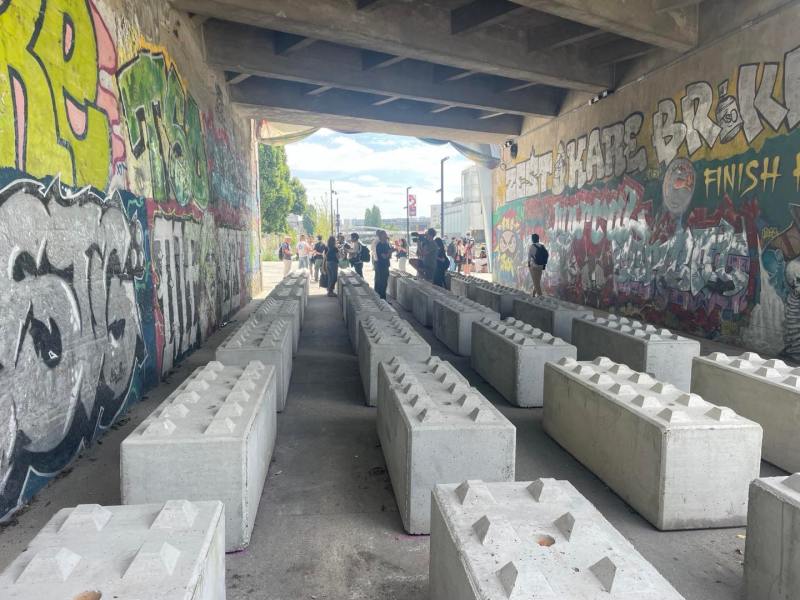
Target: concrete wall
[(673, 200), (128, 219)]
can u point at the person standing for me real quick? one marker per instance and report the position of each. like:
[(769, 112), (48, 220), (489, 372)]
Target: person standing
[(451, 254), (442, 263), (537, 261), (331, 265), (459, 258), (402, 254), (319, 256), (469, 250), (426, 250), (285, 252), (354, 254), (303, 250), (383, 255)]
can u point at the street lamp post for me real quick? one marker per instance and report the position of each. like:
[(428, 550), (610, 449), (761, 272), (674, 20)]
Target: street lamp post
[(408, 221), (441, 213), (333, 227)]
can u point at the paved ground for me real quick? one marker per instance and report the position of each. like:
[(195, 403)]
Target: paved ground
[(328, 526)]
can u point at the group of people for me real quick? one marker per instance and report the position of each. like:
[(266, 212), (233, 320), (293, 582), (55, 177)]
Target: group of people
[(434, 259)]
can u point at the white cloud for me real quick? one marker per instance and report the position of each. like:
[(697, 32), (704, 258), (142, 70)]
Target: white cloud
[(375, 169)]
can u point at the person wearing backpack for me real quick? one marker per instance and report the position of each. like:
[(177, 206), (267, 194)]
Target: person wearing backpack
[(451, 254), (356, 253), (537, 261)]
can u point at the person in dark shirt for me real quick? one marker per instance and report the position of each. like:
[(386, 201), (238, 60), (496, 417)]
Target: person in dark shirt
[(319, 256), (442, 263), (332, 264), (383, 254)]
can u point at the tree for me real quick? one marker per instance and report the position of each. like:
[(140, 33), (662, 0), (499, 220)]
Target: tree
[(372, 217), (280, 194), (319, 216)]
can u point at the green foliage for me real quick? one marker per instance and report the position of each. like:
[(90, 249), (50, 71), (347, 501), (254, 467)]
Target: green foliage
[(319, 217), (280, 193), (372, 217)]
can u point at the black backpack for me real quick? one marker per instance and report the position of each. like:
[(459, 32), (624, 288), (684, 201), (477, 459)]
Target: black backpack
[(364, 256), (541, 255)]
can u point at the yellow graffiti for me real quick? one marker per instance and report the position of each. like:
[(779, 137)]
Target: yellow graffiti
[(48, 86), (738, 179)]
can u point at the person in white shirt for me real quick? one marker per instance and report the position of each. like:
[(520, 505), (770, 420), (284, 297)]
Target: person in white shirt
[(285, 252), (303, 250)]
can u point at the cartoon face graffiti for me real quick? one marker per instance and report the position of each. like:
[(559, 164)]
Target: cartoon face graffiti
[(678, 186), (69, 323)]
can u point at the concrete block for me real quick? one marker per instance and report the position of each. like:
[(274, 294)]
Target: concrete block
[(550, 314), (269, 342), (406, 288), (457, 283), (381, 340), (499, 298), (291, 293), (301, 277), (351, 292), (211, 439), (345, 280), (422, 303), (539, 540), (511, 355), (659, 352), (772, 551), (168, 551), (435, 428), (452, 321), (394, 274), (765, 391), (681, 462), (360, 307), (271, 309)]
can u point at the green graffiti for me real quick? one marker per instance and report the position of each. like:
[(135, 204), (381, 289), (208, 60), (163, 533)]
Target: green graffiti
[(164, 123), (49, 123)]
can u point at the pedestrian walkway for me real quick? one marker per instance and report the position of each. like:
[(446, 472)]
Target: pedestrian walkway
[(328, 526)]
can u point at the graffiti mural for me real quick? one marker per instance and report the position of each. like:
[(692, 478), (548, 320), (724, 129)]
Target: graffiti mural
[(679, 214), (70, 331), (126, 217)]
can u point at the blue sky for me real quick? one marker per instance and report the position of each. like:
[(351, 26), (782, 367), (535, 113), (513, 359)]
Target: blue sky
[(370, 168)]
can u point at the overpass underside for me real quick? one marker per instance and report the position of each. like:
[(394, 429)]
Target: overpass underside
[(476, 70)]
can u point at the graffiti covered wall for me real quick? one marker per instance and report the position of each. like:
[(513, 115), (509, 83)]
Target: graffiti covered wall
[(127, 211), (676, 200)]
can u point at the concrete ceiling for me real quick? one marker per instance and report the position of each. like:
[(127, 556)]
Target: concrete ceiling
[(450, 69)]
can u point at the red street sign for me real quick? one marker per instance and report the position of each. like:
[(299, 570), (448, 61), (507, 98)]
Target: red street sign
[(412, 205)]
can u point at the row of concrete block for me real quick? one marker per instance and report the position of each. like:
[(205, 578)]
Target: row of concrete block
[(192, 474), (766, 391), (654, 453)]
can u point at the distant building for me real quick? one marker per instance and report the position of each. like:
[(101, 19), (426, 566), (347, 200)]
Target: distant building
[(399, 224), (295, 223), (466, 214)]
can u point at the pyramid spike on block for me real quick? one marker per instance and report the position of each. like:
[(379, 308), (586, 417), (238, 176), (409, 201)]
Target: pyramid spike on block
[(566, 525), (159, 427), (690, 400), (481, 416), (646, 401), (429, 415), (721, 413), (670, 415), (230, 409), (174, 411), (544, 490), (86, 517), (473, 491), (188, 397), (508, 575), (153, 559), (793, 482), (50, 565), (606, 572), (176, 514), (222, 426)]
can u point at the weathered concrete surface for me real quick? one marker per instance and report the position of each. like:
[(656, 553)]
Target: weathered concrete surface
[(170, 551), (361, 307), (772, 556), (394, 275), (211, 439), (681, 462), (550, 314), (766, 391), (327, 482), (496, 297), (406, 288), (422, 302), (452, 321), (287, 291), (382, 340), (435, 428), (539, 539), (361, 293), (659, 352), (511, 356), (270, 308), (269, 342)]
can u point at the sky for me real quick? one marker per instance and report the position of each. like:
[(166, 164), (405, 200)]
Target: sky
[(371, 168)]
